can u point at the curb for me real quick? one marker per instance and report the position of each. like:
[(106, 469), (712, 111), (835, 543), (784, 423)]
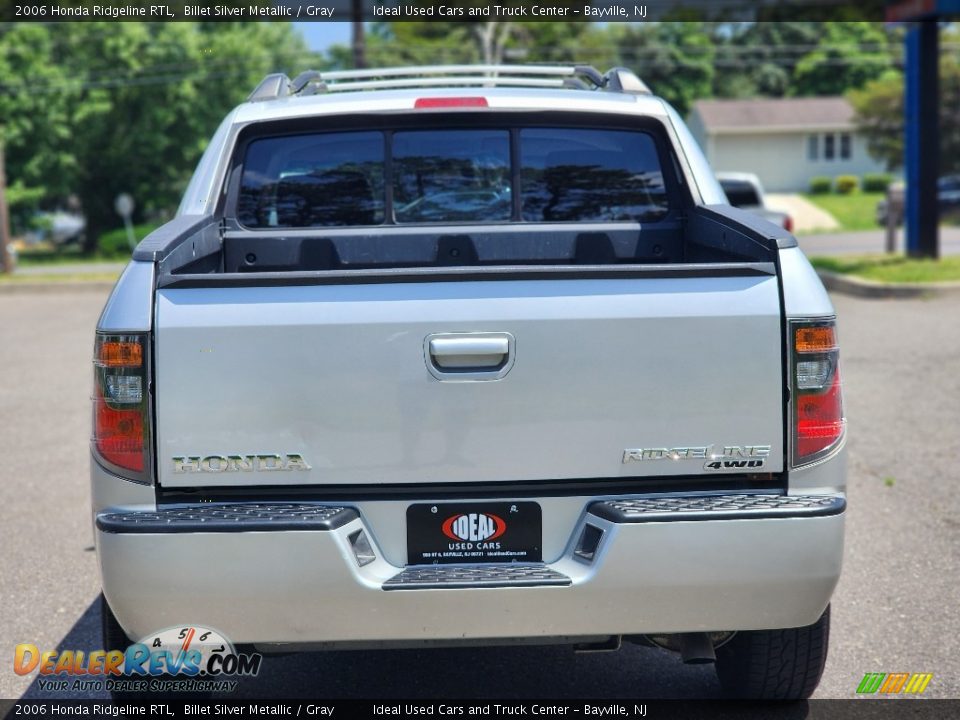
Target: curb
[(858, 287), (40, 288)]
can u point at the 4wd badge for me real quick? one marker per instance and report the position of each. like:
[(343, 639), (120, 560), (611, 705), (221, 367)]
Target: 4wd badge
[(724, 457)]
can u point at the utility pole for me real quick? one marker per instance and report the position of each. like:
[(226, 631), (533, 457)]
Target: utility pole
[(5, 255), (358, 41)]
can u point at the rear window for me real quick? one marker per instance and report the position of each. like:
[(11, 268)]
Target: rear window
[(573, 175), (322, 180), (740, 193), (451, 176), (422, 177)]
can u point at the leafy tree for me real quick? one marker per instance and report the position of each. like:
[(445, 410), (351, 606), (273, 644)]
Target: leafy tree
[(848, 56), (674, 58), (760, 58), (429, 43), (878, 109), (34, 114), (880, 116), (127, 107)]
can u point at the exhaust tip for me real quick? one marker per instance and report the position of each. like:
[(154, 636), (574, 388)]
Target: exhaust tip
[(697, 649)]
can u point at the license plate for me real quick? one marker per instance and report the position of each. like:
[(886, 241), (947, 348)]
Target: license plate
[(474, 533)]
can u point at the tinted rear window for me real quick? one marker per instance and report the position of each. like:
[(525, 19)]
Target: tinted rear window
[(322, 180), (740, 193), (452, 176), (572, 175)]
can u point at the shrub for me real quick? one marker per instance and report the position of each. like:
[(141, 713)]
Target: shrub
[(846, 184), (114, 243), (820, 185), (876, 182)]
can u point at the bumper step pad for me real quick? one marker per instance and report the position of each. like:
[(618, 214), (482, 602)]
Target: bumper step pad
[(717, 507), (228, 517), (475, 576)]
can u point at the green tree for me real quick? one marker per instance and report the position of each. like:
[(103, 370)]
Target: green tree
[(674, 58), (432, 43), (34, 119), (879, 115), (848, 56), (127, 107), (760, 58)]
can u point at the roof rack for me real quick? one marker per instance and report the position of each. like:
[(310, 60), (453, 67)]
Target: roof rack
[(580, 77)]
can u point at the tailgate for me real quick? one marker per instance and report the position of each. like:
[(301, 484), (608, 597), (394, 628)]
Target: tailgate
[(481, 381)]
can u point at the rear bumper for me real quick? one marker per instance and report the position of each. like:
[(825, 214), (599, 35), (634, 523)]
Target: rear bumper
[(291, 575)]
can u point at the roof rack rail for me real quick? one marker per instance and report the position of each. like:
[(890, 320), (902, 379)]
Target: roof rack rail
[(581, 77)]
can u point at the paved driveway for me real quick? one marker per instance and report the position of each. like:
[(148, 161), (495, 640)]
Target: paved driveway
[(896, 607)]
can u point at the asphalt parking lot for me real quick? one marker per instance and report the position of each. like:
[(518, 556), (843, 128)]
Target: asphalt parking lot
[(896, 609)]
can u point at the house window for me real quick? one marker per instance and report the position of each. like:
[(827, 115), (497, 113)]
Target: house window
[(813, 147), (829, 147), (846, 146)]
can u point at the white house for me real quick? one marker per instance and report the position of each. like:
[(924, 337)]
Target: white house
[(785, 141)]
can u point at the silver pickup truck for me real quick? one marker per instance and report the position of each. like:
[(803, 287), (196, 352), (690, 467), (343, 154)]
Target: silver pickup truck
[(470, 355)]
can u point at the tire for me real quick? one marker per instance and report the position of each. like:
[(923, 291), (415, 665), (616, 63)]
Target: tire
[(114, 638), (775, 664)]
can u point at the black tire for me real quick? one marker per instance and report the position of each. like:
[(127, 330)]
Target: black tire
[(114, 638), (775, 664)]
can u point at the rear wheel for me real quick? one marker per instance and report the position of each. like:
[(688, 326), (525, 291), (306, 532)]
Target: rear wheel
[(114, 638), (775, 664)]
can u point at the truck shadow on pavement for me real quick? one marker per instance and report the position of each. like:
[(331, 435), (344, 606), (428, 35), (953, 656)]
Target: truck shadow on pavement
[(633, 672)]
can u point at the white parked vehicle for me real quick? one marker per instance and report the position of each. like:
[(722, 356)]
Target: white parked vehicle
[(471, 355), (745, 191)]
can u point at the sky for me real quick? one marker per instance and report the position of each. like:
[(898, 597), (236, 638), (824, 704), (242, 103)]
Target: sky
[(321, 35)]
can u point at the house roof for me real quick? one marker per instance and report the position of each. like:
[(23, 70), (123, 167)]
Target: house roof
[(774, 114)]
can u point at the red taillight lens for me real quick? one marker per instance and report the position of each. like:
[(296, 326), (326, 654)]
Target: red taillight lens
[(819, 419), (120, 404), (788, 223), (818, 422), (449, 102), (118, 434)]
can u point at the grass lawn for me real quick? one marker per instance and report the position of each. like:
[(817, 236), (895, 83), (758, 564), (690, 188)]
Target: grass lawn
[(856, 211), (892, 268)]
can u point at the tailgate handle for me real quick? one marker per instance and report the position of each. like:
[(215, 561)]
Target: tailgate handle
[(469, 356)]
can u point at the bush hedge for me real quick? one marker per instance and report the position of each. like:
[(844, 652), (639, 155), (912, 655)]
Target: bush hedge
[(846, 184), (876, 182), (114, 243), (820, 185)]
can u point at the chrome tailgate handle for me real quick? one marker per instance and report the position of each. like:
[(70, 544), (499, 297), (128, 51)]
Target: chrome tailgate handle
[(469, 356), (478, 351)]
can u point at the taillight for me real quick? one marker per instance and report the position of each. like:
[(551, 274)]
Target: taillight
[(121, 405), (818, 422)]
